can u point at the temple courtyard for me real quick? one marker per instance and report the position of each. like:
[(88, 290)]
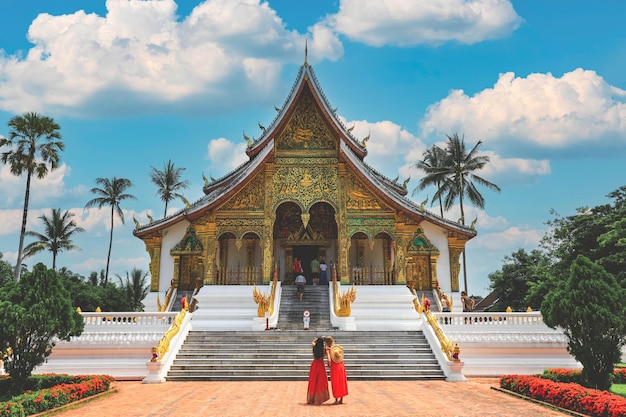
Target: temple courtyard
[(288, 398)]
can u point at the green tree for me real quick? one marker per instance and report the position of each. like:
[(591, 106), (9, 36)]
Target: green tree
[(34, 312), (590, 306), (89, 297), (112, 193), (520, 271), (59, 229), (459, 172), (135, 287), (34, 147), (168, 182), (7, 272), (433, 160)]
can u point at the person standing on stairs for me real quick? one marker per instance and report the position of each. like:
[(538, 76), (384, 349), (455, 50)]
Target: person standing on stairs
[(317, 390), (338, 378), (315, 271), (297, 268), (300, 283), (323, 276)]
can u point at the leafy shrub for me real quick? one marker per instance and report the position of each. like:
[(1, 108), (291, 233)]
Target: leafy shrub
[(54, 391), (567, 395)]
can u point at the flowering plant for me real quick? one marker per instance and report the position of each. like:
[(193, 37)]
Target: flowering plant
[(567, 395), (70, 389)]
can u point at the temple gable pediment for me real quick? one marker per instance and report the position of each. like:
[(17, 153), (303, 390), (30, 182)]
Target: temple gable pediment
[(306, 129), (359, 197), (248, 198), (190, 244)]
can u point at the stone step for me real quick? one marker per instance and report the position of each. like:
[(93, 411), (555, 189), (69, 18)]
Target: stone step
[(278, 355)]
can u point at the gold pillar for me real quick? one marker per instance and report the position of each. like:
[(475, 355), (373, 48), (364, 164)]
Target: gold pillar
[(269, 216), (341, 218), (433, 269), (456, 246), (176, 269), (206, 233), (403, 239), (153, 247)]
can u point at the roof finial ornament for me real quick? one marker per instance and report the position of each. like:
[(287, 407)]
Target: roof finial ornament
[(306, 52), (364, 141), (248, 140)]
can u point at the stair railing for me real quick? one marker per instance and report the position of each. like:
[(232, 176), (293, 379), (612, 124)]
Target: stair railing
[(266, 303), (342, 303), (159, 351), (168, 298), (451, 350)]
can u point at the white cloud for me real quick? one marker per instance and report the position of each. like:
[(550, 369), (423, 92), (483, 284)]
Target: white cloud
[(141, 55), (541, 110), (225, 155), (51, 187), (408, 23), (390, 146), (98, 220), (512, 238)]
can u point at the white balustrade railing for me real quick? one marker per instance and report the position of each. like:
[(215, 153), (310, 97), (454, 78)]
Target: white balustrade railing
[(134, 319), (490, 319)]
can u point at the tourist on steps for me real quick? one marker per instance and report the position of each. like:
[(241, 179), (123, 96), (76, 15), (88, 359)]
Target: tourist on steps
[(317, 390), (338, 378), (300, 283)]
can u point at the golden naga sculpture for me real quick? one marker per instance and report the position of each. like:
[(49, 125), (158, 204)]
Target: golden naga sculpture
[(164, 344), (452, 351), (342, 303), (266, 303)]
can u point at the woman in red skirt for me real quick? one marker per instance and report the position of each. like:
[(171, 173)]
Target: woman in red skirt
[(338, 378), (317, 391)]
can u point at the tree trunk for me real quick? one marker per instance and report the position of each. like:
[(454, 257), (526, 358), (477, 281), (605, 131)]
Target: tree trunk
[(106, 274), (18, 265)]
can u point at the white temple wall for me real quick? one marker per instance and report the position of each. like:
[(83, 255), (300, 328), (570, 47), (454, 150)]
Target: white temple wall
[(171, 237), (438, 237)]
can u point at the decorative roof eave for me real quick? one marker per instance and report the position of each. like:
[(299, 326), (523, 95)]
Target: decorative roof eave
[(399, 201), (306, 75), (223, 189)]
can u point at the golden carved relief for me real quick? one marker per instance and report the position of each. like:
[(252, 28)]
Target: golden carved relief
[(249, 198), (306, 128), (305, 184), (358, 197)]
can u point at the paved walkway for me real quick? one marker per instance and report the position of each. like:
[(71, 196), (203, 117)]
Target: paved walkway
[(283, 398)]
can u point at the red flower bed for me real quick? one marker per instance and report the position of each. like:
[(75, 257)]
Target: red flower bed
[(76, 388), (568, 395)]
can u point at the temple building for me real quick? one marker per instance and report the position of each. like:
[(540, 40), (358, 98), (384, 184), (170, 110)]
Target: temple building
[(306, 192)]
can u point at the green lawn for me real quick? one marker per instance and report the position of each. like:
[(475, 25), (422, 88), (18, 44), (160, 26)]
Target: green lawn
[(619, 389)]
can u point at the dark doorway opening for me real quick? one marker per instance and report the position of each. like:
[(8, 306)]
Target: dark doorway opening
[(306, 253)]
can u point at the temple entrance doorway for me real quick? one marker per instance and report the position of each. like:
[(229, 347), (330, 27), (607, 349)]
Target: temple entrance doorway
[(306, 254), (304, 236)]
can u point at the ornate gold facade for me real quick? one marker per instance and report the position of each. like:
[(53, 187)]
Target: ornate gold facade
[(305, 193)]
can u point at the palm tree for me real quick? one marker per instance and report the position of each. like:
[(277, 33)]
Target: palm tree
[(168, 182), (433, 159), (57, 237), (34, 142), (459, 175), (112, 194), (135, 287)]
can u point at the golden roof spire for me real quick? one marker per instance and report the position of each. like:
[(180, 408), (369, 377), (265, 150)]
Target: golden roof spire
[(306, 52)]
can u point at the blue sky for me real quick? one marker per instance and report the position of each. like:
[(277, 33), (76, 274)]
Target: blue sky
[(135, 83)]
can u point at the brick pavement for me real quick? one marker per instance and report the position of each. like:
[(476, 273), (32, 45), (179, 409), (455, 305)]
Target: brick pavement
[(284, 398)]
